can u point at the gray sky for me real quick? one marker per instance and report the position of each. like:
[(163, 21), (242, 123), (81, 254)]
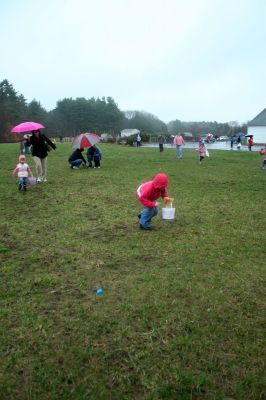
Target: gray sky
[(191, 60)]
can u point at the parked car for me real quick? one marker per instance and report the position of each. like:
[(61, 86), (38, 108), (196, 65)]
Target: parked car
[(223, 138), (205, 139)]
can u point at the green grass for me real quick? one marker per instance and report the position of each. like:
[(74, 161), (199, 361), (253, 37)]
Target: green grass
[(182, 315)]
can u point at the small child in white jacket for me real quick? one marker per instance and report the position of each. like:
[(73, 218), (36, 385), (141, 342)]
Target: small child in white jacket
[(202, 152), (23, 170)]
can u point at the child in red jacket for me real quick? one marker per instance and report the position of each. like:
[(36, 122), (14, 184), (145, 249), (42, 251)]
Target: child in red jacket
[(147, 194)]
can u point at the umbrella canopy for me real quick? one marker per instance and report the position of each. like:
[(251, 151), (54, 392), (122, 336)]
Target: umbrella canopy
[(249, 135), (26, 127), (85, 140), (239, 134)]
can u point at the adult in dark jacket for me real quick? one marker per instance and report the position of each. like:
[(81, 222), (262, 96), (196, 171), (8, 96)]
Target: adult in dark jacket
[(161, 141), (76, 159), (40, 145)]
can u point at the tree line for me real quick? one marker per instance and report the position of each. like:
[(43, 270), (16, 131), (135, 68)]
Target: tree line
[(73, 116)]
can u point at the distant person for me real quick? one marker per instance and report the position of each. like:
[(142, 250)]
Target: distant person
[(61, 138), (239, 143), (250, 143), (202, 152), (263, 153), (138, 140), (147, 194), (94, 154), (26, 144), (23, 170), (209, 137), (179, 142), (172, 140), (41, 145), (161, 141), (232, 140), (76, 159)]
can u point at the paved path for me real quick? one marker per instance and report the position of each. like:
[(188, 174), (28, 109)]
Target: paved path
[(210, 146)]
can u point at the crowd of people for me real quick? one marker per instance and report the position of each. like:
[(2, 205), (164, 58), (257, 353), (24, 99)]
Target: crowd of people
[(39, 145), (148, 192)]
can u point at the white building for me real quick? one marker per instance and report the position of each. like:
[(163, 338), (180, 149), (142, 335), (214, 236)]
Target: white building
[(257, 128), (129, 132)]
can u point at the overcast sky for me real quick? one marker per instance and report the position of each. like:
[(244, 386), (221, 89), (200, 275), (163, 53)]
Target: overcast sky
[(191, 60)]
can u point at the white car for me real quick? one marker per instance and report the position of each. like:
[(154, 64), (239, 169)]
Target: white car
[(223, 138)]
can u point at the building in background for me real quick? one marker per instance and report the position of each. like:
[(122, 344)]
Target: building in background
[(257, 128)]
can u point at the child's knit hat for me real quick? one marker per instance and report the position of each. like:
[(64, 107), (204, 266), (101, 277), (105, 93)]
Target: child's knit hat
[(21, 158)]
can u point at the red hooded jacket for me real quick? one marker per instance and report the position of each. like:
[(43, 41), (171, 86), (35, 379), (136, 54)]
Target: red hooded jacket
[(150, 191)]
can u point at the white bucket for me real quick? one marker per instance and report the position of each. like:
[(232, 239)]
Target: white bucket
[(168, 213)]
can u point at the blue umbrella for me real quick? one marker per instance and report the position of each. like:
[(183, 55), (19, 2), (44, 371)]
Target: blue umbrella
[(239, 134)]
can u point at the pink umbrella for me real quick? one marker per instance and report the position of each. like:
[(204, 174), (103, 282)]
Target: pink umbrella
[(87, 139), (26, 127)]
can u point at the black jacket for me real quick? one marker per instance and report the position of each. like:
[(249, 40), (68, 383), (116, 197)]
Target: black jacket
[(76, 155), (39, 145)]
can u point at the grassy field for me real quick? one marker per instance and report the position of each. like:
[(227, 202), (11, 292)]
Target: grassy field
[(182, 315)]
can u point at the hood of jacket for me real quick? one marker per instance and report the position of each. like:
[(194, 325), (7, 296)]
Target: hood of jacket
[(160, 181)]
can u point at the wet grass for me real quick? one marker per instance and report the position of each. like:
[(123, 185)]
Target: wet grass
[(182, 315)]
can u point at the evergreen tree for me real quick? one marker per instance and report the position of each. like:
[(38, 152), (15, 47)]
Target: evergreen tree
[(35, 112), (12, 109)]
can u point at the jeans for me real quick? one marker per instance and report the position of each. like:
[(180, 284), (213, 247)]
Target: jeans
[(146, 215), (26, 150), (76, 163), (179, 152), (23, 181)]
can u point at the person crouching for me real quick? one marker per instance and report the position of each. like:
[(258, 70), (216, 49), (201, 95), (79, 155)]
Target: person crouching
[(94, 154), (76, 159), (147, 194)]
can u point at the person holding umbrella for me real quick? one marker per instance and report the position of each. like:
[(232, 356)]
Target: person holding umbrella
[(94, 154), (41, 144), (88, 139), (250, 142)]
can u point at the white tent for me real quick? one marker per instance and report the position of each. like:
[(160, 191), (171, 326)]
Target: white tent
[(129, 132)]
